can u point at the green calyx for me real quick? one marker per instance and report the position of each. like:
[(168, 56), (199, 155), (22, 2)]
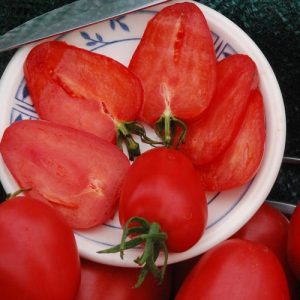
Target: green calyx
[(140, 231), (125, 130), (166, 128)]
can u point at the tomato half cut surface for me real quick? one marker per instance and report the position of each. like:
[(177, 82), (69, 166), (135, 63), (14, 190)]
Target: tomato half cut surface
[(176, 63), (241, 160), (82, 89), (209, 136), (77, 172)]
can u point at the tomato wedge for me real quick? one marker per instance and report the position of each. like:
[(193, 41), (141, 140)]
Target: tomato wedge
[(77, 172), (209, 136), (176, 63), (88, 91), (240, 161)]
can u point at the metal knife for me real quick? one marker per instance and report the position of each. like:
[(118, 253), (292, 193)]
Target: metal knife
[(69, 17)]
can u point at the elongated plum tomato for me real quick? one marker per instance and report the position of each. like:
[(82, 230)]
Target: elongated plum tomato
[(293, 244), (176, 63), (270, 227), (236, 269), (214, 131), (81, 89), (103, 282), (162, 186), (240, 161), (38, 253), (77, 172)]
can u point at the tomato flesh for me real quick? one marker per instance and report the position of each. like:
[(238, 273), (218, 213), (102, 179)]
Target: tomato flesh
[(77, 172), (81, 89), (176, 63), (214, 131), (38, 253), (240, 161), (162, 186)]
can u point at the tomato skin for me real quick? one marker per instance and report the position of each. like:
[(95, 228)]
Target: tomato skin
[(38, 253), (176, 63), (162, 186), (103, 282), (268, 226), (81, 89), (77, 172), (293, 244), (241, 160), (209, 136), (236, 269)]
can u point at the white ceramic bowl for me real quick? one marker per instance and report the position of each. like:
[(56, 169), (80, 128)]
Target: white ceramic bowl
[(118, 38)]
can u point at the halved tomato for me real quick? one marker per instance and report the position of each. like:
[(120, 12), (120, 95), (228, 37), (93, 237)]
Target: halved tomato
[(81, 89), (176, 63), (77, 172), (213, 132), (240, 161)]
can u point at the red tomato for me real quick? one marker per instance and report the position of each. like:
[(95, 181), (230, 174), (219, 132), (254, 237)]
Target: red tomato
[(293, 245), (270, 227), (38, 253), (176, 63), (180, 271), (81, 89), (102, 282), (162, 186), (214, 131), (77, 172), (236, 269), (240, 161)]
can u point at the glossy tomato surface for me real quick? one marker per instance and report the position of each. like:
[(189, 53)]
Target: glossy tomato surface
[(103, 282), (38, 253), (240, 161), (216, 128), (268, 226), (162, 186), (236, 269), (293, 246), (176, 63), (85, 90), (77, 172)]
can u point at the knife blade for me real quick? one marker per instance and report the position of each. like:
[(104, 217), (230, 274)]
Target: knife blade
[(71, 16)]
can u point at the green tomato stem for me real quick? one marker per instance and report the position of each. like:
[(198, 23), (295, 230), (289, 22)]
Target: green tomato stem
[(154, 241)]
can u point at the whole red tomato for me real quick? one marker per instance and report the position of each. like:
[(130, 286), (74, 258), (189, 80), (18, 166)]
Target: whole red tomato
[(103, 282), (268, 226), (293, 245), (162, 186), (236, 269), (38, 253)]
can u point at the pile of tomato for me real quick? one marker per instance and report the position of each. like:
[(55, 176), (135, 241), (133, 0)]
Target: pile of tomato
[(208, 117)]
